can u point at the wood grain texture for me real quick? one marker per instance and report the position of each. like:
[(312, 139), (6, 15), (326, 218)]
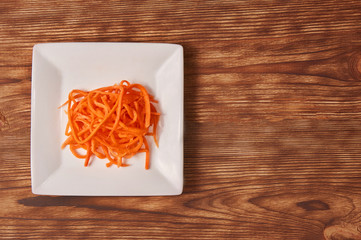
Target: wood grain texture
[(272, 120)]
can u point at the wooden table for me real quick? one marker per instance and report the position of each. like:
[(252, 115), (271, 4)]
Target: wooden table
[(272, 120)]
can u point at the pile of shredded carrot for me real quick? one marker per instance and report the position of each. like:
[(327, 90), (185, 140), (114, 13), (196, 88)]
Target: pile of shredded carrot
[(111, 122)]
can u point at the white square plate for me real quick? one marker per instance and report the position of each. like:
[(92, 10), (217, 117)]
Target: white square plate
[(60, 67)]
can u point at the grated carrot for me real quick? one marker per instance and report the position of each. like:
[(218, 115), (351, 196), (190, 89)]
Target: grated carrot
[(111, 122)]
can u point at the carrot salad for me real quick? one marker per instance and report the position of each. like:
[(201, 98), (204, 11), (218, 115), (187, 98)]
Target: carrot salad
[(111, 123)]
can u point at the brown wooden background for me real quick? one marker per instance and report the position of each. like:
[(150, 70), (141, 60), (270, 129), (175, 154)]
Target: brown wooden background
[(272, 120)]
